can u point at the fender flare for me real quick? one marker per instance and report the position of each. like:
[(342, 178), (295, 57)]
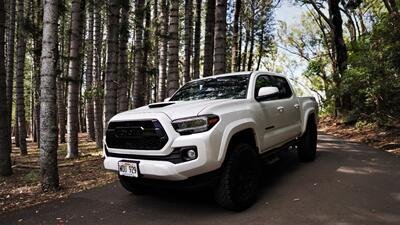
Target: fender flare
[(306, 116), (232, 129)]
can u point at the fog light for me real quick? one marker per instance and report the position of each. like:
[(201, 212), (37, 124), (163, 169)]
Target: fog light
[(189, 153)]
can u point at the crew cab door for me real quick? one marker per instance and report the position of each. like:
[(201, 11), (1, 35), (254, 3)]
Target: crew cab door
[(279, 115)]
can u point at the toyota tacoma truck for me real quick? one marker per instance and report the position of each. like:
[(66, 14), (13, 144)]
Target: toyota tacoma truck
[(214, 132)]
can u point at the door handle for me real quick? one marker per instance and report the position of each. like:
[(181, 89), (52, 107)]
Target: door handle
[(297, 106), (280, 109)]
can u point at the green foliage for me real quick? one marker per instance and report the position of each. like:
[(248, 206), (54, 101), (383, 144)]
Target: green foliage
[(373, 74)]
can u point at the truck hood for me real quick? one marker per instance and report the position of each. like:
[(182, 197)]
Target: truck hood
[(177, 110)]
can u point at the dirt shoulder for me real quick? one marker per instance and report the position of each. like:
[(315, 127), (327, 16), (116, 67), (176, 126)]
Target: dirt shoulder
[(22, 189), (386, 139)]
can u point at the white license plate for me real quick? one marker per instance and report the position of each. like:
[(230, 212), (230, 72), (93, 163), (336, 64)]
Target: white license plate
[(128, 169)]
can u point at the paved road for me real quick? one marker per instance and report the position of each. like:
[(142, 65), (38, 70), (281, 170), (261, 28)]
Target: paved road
[(349, 183)]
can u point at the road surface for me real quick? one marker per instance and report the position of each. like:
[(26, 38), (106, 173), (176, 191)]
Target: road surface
[(349, 183)]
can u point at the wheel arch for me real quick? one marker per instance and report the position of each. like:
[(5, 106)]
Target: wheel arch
[(237, 132)]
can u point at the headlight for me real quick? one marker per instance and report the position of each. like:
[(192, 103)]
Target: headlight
[(195, 124)]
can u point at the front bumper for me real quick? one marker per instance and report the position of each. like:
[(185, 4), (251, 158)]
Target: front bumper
[(207, 144)]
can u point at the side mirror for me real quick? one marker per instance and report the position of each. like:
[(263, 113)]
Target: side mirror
[(167, 99), (267, 92)]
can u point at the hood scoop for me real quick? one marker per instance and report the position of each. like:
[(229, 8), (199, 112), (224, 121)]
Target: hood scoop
[(160, 105)]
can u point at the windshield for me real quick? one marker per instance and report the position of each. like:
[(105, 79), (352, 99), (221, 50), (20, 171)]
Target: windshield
[(227, 87)]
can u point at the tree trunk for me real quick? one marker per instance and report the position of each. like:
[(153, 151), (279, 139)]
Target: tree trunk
[(139, 83), (48, 99), (246, 44), (89, 73), (21, 47), (163, 45), (110, 97), (235, 36), (146, 50), (5, 141), (260, 48), (73, 81), (173, 44), (340, 51), (251, 52), (209, 39), (197, 37), (98, 86), (123, 58), (188, 39), (10, 62), (220, 37), (37, 43), (61, 87)]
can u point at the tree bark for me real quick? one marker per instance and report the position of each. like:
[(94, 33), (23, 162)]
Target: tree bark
[(197, 37), (220, 37), (37, 43), (251, 51), (139, 79), (21, 47), (48, 98), (246, 44), (5, 141), (340, 51), (235, 36), (209, 39), (110, 97), (163, 45), (123, 58), (173, 48), (62, 112), (89, 73), (10, 62), (98, 86), (73, 81), (188, 39)]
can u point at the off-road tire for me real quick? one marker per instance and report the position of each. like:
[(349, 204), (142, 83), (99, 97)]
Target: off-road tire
[(238, 187), (131, 186), (307, 146)]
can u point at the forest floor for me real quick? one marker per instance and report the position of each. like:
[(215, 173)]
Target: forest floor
[(386, 139), (22, 189)]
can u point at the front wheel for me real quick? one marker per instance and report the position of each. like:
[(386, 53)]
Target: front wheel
[(239, 184), (307, 147)]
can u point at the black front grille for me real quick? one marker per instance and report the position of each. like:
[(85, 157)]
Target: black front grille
[(140, 135)]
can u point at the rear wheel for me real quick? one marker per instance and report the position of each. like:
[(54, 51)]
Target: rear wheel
[(129, 184), (307, 147), (239, 184)]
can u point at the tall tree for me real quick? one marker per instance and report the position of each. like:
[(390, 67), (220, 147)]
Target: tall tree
[(5, 141), (209, 39), (188, 39), (89, 72), (173, 49), (339, 64), (98, 85), (21, 48), (163, 46), (235, 35), (197, 37), (48, 98), (123, 58), (220, 37), (10, 60), (111, 79), (139, 80), (74, 80)]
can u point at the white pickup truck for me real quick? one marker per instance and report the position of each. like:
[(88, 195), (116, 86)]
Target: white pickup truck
[(213, 132)]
